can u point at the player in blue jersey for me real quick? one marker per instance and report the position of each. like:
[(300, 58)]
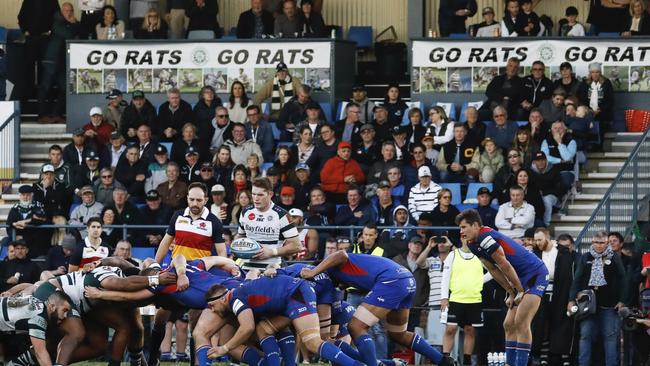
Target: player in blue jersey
[(518, 271), (390, 288), (283, 301)]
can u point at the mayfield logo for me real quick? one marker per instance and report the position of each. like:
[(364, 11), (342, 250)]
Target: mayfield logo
[(251, 216)]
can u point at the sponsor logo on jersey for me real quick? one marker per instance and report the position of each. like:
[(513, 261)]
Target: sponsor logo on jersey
[(251, 216), (258, 229)]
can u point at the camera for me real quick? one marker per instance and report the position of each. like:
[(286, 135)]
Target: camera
[(629, 316), (439, 239)]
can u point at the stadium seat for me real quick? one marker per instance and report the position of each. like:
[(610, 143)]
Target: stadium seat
[(327, 110), (362, 36), (285, 143), (143, 253), (266, 167), (472, 190), (200, 34), (405, 118), (458, 35), (140, 206), (266, 108), (340, 110), (72, 207), (3, 35), (522, 123), (462, 207), (233, 32), (608, 34), (276, 131), (14, 35), (339, 206), (168, 145), (455, 192), (3, 252), (450, 109), (465, 105), (488, 123)]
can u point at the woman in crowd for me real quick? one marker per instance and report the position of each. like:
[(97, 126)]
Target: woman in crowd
[(187, 138), (204, 112), (637, 24), (440, 129), (394, 105), (110, 236), (110, 27), (301, 151), (532, 195), (222, 165), (312, 23), (506, 176), (253, 165), (416, 130), (243, 199), (283, 163), (240, 182), (445, 215), (153, 27), (238, 101), (525, 144)]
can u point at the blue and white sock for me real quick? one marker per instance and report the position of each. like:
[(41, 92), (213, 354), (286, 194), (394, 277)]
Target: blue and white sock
[(287, 343), (523, 350), (202, 355), (421, 346), (271, 350), (366, 347), (511, 353), (333, 354)]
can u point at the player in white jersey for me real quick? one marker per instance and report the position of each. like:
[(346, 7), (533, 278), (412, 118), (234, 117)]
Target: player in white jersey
[(269, 225)]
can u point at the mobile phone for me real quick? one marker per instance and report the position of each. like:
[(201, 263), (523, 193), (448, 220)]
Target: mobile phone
[(438, 239)]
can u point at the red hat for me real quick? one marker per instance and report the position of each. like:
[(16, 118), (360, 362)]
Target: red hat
[(343, 144), (287, 191)]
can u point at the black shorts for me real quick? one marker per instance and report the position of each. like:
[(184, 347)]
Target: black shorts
[(465, 314)]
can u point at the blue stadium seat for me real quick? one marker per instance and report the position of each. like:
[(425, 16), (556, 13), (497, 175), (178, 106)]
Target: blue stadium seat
[(168, 145), (455, 192), (339, 206), (284, 143), (488, 123), (458, 35), (72, 207), (522, 123), (362, 36), (450, 109), (462, 207), (200, 34), (14, 35), (609, 34), (3, 252), (327, 109), (140, 206), (472, 190), (340, 110), (465, 105), (143, 253), (266, 167), (266, 108), (276, 131), (3, 35)]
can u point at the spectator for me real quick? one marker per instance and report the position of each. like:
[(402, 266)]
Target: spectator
[(416, 130), (110, 28), (553, 109), (219, 206), (283, 164), (176, 18), (123, 250), (191, 169), (314, 121), (600, 270), (241, 182), (302, 183), (295, 111), (536, 88), (506, 176), (597, 93), (485, 210), (475, 128), (488, 27), (349, 128), (58, 258), (308, 237), (157, 169), (383, 127), (503, 130), (444, 214), (409, 261), (144, 141), (304, 148), (330, 247), (256, 23), (488, 162), (240, 147), (114, 109), (401, 144), (20, 215), (20, 269), (154, 213), (172, 115), (115, 150), (462, 283), (49, 194), (73, 153), (504, 90), (91, 248), (152, 27), (139, 112), (514, 23), (188, 137), (97, 131), (434, 266), (87, 209), (64, 27), (560, 150), (454, 161), (539, 128), (440, 128), (379, 169), (398, 190), (396, 240), (287, 24), (281, 89), (546, 176), (569, 26), (533, 26), (525, 144), (423, 197), (59, 218), (366, 106), (321, 212), (104, 187), (206, 174), (356, 212), (339, 172), (173, 192), (311, 20), (222, 165), (515, 216), (204, 112), (131, 171), (323, 150), (238, 102), (383, 205), (419, 159), (453, 14), (637, 24), (243, 199), (394, 104), (532, 195), (110, 236), (287, 197), (567, 81), (203, 16), (222, 127), (260, 132), (126, 213)]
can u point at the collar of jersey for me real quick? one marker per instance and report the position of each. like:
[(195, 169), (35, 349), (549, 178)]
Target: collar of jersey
[(204, 213)]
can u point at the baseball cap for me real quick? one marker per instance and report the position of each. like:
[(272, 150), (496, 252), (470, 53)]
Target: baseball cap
[(486, 140), (25, 188), (302, 166), (191, 150), (281, 67), (483, 190), (78, 132), (217, 188), (287, 191), (152, 195), (115, 135), (47, 168), (114, 93), (358, 87), (398, 130), (424, 171), (312, 105), (487, 10), (296, 212), (366, 126), (383, 184), (206, 165), (92, 155), (160, 150), (137, 94), (86, 189), (540, 156), (69, 242), (95, 110), (272, 171), (344, 144)]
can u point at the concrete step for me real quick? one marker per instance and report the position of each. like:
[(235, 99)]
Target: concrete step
[(623, 146), (624, 136), (609, 175), (46, 137), (39, 128), (39, 147), (594, 187), (575, 229), (562, 219), (608, 155)]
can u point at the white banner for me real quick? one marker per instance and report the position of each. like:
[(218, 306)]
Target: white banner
[(469, 65), (199, 55)]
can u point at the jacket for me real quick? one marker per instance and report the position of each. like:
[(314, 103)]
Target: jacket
[(174, 197), (514, 222), (605, 97), (104, 131), (448, 154), (29, 272), (503, 180), (239, 152), (482, 160), (335, 169), (548, 180), (263, 137), (37, 16), (495, 92), (266, 91), (133, 118), (204, 18), (345, 215), (83, 212), (536, 91), (62, 30), (172, 119), (203, 116), (246, 24), (52, 198), (126, 173), (312, 27), (608, 295), (502, 136), (339, 129)]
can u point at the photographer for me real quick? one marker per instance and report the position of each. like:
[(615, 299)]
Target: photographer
[(636, 320), (600, 270)]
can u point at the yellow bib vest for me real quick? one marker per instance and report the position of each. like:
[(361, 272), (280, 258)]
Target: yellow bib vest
[(466, 280)]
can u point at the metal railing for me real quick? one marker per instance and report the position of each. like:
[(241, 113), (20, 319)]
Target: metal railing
[(619, 208), (10, 141)]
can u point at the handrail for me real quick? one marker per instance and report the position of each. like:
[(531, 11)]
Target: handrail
[(606, 201), (9, 140)]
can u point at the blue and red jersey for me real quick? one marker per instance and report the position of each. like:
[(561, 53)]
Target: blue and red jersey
[(200, 282), (322, 283), (269, 296), (363, 271), (489, 240)]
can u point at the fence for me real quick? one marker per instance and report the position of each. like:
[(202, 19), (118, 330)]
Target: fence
[(9, 141), (619, 208)]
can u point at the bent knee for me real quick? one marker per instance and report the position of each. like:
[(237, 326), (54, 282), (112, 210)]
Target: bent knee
[(312, 345)]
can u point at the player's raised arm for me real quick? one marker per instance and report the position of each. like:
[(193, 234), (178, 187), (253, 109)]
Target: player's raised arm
[(180, 263), (333, 260), (163, 247)]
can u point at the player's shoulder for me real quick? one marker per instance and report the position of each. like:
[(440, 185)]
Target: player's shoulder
[(247, 209), (281, 212)]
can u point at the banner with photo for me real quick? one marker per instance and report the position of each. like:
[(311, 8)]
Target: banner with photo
[(158, 67), (457, 66)]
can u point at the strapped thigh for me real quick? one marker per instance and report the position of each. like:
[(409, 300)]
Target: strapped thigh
[(268, 327), (395, 328), (308, 334), (365, 316)]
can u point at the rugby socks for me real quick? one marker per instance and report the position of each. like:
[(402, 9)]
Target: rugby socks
[(420, 346), (166, 356), (252, 358), (271, 350), (114, 362), (511, 353), (348, 350), (287, 343), (202, 355), (157, 336), (136, 358), (23, 359), (366, 347), (332, 353), (523, 350), (467, 360)]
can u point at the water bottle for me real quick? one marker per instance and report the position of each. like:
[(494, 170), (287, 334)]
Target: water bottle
[(430, 33), (333, 34), (490, 359), (443, 317), (502, 359)]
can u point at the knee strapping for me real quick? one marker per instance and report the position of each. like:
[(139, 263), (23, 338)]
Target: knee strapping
[(309, 334), (396, 328), (268, 327), (366, 316)]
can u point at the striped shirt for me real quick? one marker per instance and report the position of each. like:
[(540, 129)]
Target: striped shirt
[(434, 266), (23, 314), (195, 239), (85, 253), (269, 228), (73, 284), (423, 200)]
